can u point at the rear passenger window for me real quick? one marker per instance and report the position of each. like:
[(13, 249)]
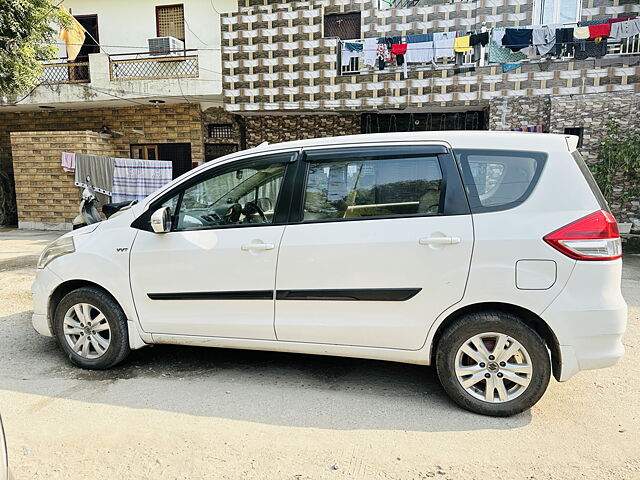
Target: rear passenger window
[(370, 184), (499, 179)]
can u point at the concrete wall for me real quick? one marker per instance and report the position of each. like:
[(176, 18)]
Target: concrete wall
[(45, 193)]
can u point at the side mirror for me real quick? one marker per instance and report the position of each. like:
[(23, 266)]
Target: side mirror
[(161, 220)]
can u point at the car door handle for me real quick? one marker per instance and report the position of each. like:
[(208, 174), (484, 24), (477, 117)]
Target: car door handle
[(439, 240), (258, 246)]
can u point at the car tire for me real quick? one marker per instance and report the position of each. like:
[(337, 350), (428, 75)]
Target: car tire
[(91, 329), (473, 383)]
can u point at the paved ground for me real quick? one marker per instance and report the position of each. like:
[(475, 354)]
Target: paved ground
[(187, 413)]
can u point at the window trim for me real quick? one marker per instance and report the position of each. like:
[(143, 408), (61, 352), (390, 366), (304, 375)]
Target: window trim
[(452, 195), (281, 208), (538, 9), (184, 19)]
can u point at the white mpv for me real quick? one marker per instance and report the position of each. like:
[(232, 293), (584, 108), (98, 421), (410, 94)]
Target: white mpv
[(491, 255)]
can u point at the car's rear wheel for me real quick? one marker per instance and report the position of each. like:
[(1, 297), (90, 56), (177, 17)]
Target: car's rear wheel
[(91, 328), (492, 363)]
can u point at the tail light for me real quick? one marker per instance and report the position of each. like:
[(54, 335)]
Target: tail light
[(594, 237)]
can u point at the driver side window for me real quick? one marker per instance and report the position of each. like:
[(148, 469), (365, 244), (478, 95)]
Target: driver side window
[(242, 196)]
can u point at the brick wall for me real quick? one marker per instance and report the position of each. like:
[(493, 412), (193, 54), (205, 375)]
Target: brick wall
[(45, 194), (590, 112), (283, 128), (175, 123)]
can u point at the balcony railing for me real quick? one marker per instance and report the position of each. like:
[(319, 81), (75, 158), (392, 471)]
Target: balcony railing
[(146, 66), (63, 71)]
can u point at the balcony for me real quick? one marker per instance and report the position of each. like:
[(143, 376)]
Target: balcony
[(146, 66), (62, 71)]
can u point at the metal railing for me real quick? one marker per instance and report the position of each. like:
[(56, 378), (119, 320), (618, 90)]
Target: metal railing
[(64, 71), (627, 46), (149, 66)]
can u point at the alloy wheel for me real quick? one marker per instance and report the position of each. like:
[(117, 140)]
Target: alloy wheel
[(86, 330), (493, 367)]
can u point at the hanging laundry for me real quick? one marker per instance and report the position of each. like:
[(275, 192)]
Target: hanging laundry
[(419, 38), (354, 46), (508, 67), (565, 43), (382, 54), (479, 39), (443, 44), (462, 44), (350, 50), (544, 39), (68, 162), (581, 33), (626, 29), (500, 54), (136, 179), (399, 50), (419, 52), (95, 172), (603, 30), (591, 49), (517, 39), (616, 20), (369, 51)]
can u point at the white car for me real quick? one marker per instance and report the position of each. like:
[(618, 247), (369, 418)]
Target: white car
[(4, 465), (491, 255)]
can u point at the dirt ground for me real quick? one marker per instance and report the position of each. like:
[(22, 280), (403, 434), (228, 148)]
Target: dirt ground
[(189, 413)]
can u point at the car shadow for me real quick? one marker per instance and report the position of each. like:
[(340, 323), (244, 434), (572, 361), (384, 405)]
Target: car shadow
[(263, 387)]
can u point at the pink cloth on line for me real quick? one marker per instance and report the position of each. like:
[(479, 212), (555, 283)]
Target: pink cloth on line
[(68, 162)]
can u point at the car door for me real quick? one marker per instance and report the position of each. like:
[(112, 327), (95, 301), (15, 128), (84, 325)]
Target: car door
[(378, 246), (213, 274)]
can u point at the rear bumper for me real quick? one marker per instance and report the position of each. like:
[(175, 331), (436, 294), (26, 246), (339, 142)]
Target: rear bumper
[(589, 318)]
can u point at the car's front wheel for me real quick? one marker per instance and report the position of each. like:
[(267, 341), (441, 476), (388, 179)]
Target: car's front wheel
[(91, 328), (493, 364)]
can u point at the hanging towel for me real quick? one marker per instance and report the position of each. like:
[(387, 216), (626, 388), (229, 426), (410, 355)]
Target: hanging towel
[(625, 29), (508, 67), (517, 39), (581, 33), (602, 30), (479, 39), (421, 37), (544, 39), (444, 47), (68, 162), (353, 46), (369, 51), (616, 20), (462, 44), (419, 52), (95, 172), (500, 54), (136, 179), (399, 48)]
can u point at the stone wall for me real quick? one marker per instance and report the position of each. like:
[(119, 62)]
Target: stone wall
[(284, 128), (589, 112), (176, 123), (45, 193)]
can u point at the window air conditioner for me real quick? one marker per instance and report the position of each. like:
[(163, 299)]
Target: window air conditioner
[(165, 46)]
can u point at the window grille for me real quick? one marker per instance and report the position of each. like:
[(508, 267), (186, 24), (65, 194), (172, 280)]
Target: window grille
[(170, 21), (220, 130)]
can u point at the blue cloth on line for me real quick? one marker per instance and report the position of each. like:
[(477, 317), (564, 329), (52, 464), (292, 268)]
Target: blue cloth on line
[(353, 46), (517, 39), (418, 38), (508, 67)]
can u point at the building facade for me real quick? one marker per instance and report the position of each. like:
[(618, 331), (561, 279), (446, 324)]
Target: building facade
[(146, 101), (285, 77)]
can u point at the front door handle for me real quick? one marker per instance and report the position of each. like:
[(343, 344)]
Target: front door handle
[(258, 246), (439, 240)]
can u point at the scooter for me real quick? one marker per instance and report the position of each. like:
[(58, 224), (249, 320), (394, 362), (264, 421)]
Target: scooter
[(89, 214)]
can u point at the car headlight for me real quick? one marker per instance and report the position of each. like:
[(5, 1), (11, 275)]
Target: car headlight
[(60, 247)]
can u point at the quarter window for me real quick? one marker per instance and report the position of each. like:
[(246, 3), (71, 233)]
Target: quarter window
[(361, 185), (499, 179)]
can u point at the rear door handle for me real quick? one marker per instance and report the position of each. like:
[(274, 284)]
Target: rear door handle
[(258, 246), (439, 240)]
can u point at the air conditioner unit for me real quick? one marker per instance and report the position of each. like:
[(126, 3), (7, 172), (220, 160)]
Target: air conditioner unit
[(165, 46)]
